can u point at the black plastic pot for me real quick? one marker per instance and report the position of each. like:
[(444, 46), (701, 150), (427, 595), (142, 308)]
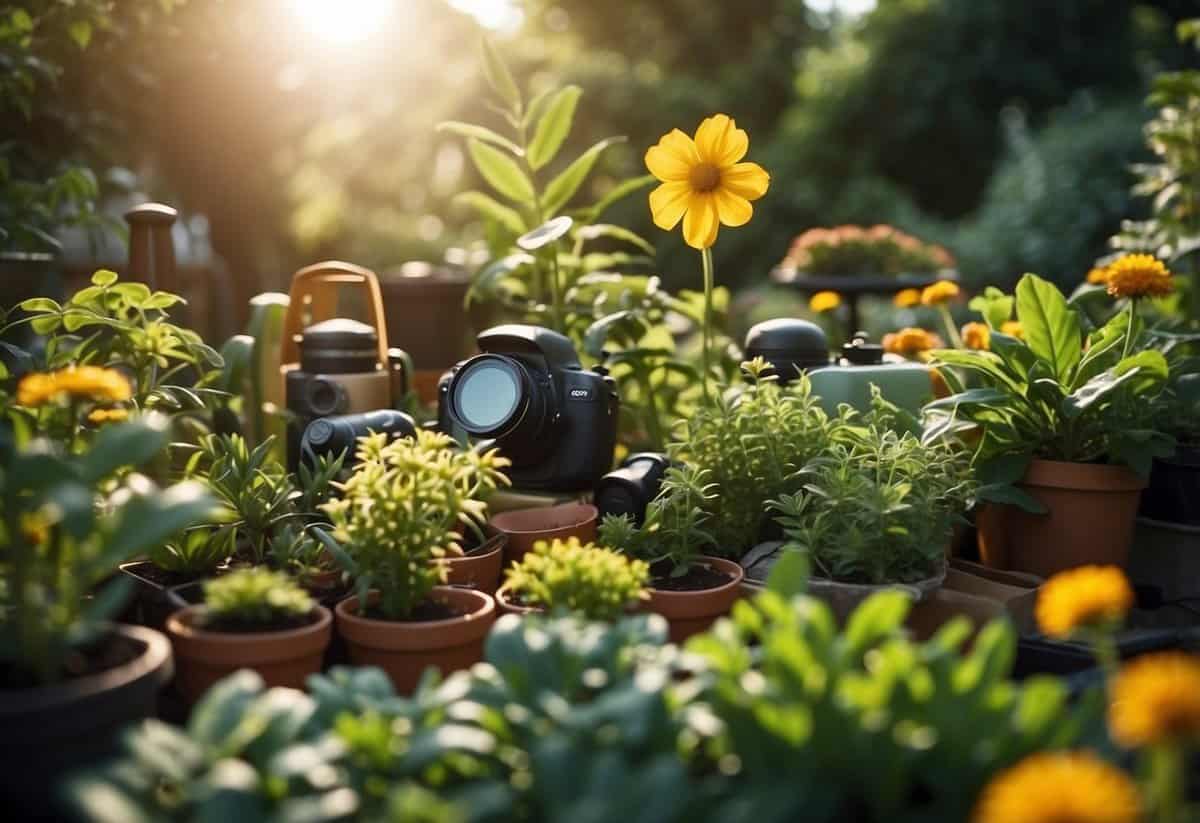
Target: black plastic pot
[(1173, 495), (152, 601), (52, 730)]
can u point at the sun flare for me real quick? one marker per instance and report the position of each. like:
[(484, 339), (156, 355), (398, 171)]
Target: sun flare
[(342, 21)]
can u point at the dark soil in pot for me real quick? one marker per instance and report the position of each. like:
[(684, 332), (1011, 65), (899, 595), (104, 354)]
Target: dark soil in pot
[(697, 578), (689, 606), (1173, 495), (52, 730)]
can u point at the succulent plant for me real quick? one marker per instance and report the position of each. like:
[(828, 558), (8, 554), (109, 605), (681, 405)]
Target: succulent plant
[(596, 582), (254, 596)]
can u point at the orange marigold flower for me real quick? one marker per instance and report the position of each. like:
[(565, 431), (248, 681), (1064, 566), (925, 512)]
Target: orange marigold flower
[(911, 341), (1060, 787), (907, 298), (1081, 597), (1013, 328), (824, 301), (1156, 699), (1098, 275), (940, 292), (1138, 275), (108, 415), (977, 336), (88, 382)]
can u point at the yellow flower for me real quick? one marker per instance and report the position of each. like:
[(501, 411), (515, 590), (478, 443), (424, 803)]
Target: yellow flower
[(938, 382), (1013, 328), (1060, 787), (703, 182), (1086, 596), (34, 528), (1156, 699), (1138, 275), (940, 292), (90, 382), (911, 341), (824, 301), (976, 336), (1098, 275), (907, 298), (108, 415)]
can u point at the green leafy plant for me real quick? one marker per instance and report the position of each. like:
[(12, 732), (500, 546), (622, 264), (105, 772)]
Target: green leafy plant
[(1053, 394), (254, 597), (195, 552), (675, 531), (595, 582), (878, 506), (66, 526), (405, 505), (751, 445)]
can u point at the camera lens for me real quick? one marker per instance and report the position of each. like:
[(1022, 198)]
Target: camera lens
[(324, 397), (487, 393)]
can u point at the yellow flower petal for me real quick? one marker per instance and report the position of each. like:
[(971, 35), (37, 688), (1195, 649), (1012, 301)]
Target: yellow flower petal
[(720, 141), (668, 203), (732, 209), (673, 157), (748, 180), (700, 224)]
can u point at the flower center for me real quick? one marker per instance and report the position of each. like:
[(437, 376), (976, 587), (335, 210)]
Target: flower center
[(705, 177)]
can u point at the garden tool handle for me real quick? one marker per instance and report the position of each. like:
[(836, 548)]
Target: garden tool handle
[(151, 250), (315, 291)]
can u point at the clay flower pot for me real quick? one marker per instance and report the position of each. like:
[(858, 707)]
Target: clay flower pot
[(505, 605), (1089, 519), (525, 527), (481, 568), (404, 649), (283, 658), (691, 612)]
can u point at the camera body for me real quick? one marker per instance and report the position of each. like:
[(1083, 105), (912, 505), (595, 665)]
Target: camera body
[(528, 394), (628, 489), (339, 373), (339, 434)]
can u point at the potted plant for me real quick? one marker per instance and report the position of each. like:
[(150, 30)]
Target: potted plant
[(876, 510), (1065, 445), (525, 528), (403, 508), (251, 618), (185, 558), (689, 588), (599, 583), (70, 680)]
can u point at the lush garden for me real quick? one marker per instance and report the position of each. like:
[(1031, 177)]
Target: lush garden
[(588, 519)]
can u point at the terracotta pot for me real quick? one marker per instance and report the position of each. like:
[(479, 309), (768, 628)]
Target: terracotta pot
[(282, 658), (506, 606), (51, 730), (525, 527), (690, 613), (1089, 519), (929, 615), (404, 650), (480, 569)]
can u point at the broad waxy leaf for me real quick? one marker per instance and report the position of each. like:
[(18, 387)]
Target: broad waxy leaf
[(501, 171), (1051, 326), (554, 126)]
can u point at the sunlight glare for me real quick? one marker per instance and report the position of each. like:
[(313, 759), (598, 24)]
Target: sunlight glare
[(342, 21), (492, 14)]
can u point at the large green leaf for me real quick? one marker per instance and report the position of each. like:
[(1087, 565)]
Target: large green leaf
[(563, 187), (147, 521), (472, 131), (1051, 326), (501, 171), (124, 444), (554, 126), (994, 305)]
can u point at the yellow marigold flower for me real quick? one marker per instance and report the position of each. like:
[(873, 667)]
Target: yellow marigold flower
[(1138, 275), (91, 382), (36, 389), (108, 415), (824, 301), (906, 298), (911, 341), (1086, 596), (1013, 328), (1156, 699), (977, 336), (1060, 787), (943, 291), (703, 181), (1098, 275)]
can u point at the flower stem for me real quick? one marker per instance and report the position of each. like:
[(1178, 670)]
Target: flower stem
[(1166, 771), (706, 326), (556, 307), (951, 330), (1129, 328)]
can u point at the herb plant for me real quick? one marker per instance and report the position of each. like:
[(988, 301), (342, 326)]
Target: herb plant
[(405, 505), (195, 552), (254, 597), (878, 506), (1053, 394), (65, 528), (596, 582)]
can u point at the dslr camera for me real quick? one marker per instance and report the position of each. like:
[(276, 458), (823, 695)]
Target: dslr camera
[(331, 436), (529, 395)]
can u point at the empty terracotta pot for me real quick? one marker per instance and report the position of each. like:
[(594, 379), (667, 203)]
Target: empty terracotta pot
[(507, 606), (405, 649), (691, 612), (282, 658), (1089, 519), (525, 527), (480, 569)]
